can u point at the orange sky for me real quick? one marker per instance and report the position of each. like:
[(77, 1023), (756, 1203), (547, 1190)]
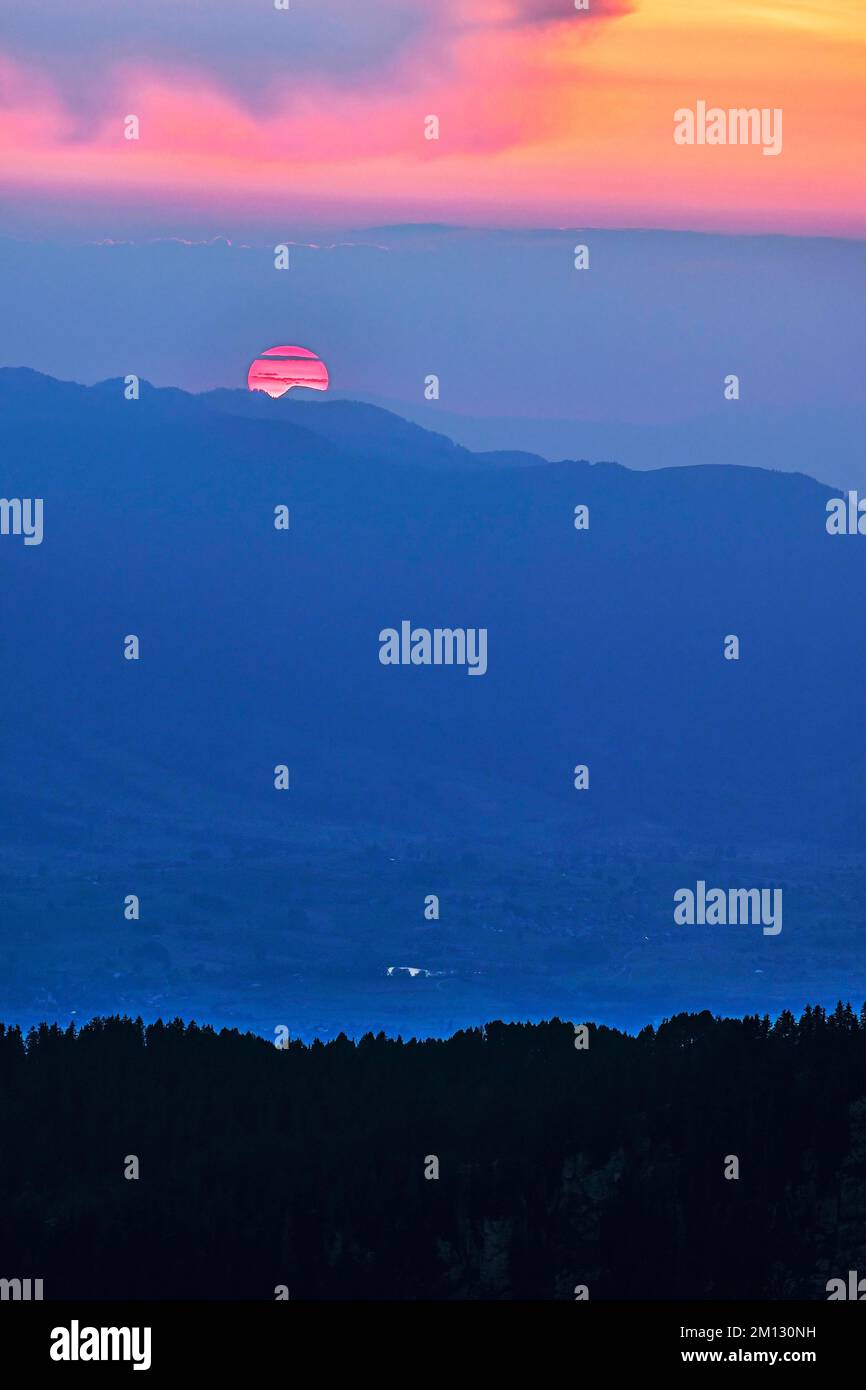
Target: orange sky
[(566, 120)]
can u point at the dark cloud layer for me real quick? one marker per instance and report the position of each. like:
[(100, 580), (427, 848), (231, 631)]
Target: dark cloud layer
[(246, 45)]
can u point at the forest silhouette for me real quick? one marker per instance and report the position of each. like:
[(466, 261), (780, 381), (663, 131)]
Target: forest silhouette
[(559, 1166)]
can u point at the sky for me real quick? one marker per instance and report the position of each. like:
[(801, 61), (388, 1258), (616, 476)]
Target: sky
[(252, 118), (304, 129), (626, 360)]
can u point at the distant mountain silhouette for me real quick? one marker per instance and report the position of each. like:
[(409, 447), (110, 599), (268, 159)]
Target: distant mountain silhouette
[(816, 439), (351, 425), (261, 647)]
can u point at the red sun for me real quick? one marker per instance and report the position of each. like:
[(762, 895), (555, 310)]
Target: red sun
[(280, 368)]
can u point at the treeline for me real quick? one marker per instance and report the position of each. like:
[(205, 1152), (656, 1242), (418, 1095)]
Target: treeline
[(559, 1166)]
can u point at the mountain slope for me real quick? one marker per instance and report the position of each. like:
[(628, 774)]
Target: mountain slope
[(261, 647)]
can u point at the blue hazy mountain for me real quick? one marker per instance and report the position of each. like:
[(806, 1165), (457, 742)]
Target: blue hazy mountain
[(366, 429), (261, 647), (819, 440), (626, 361)]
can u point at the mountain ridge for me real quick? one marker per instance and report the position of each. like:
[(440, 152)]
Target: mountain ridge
[(261, 648)]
